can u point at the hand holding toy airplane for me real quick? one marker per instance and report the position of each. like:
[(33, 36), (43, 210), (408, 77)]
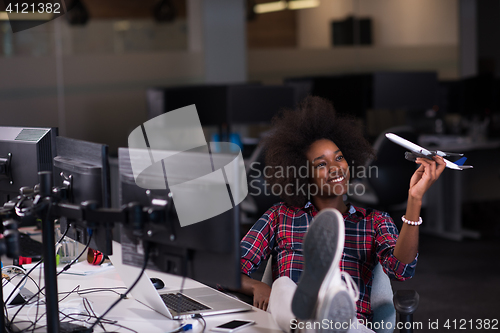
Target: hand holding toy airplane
[(417, 151)]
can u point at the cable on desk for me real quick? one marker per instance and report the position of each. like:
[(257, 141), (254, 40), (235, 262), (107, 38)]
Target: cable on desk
[(66, 267), (27, 275), (21, 271), (198, 317), (37, 319), (69, 293), (5, 304), (38, 302), (96, 290), (27, 303), (146, 259), (34, 322), (91, 314), (74, 317), (37, 264)]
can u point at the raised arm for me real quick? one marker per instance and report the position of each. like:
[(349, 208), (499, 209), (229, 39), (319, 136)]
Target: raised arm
[(429, 171)]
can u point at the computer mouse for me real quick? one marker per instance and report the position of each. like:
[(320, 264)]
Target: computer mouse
[(159, 284)]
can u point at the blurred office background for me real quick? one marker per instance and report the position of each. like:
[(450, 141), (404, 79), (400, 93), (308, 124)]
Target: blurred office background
[(431, 65), (90, 79)]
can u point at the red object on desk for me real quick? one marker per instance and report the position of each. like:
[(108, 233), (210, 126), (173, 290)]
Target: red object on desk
[(95, 257), (24, 260)]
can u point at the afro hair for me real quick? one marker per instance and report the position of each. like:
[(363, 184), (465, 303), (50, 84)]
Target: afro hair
[(293, 133)]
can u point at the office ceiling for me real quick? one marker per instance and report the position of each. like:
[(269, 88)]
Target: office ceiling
[(128, 9)]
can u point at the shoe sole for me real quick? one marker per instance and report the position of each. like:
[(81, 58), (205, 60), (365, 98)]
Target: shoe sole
[(340, 311), (320, 262)]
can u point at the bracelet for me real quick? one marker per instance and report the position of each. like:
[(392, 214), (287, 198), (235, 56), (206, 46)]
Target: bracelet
[(419, 222)]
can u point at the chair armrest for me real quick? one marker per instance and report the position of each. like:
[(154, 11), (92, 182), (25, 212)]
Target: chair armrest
[(406, 301)]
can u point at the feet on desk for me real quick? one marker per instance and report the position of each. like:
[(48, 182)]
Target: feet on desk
[(323, 292)]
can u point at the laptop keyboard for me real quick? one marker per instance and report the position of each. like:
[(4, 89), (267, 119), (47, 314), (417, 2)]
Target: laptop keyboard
[(29, 247), (181, 303)]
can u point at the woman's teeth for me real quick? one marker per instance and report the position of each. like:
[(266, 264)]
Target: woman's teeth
[(336, 180)]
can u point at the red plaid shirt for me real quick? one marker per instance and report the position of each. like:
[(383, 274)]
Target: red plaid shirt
[(370, 237)]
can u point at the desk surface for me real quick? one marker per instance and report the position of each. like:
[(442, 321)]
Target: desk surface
[(129, 312)]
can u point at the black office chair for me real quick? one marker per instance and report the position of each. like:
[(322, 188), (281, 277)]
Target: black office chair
[(260, 198), (388, 175)]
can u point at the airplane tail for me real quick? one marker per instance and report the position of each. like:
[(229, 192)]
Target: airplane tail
[(461, 161), (460, 164)]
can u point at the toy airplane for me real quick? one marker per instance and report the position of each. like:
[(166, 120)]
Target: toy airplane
[(417, 151)]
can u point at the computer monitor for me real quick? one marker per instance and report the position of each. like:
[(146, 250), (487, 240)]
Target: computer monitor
[(405, 90), (81, 170), (206, 251), (356, 93), (223, 104), (350, 94), (24, 151)]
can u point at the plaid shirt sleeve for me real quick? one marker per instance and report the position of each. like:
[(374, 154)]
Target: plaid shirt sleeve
[(385, 240), (257, 244)]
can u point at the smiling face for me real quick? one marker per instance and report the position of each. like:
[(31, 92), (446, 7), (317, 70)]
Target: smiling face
[(329, 169)]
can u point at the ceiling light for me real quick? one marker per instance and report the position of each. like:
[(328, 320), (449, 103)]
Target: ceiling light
[(270, 7), (302, 4)]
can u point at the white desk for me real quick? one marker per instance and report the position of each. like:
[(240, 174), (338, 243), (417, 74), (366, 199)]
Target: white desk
[(131, 313)]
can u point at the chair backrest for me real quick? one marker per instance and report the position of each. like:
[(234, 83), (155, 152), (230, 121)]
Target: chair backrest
[(381, 296), (393, 171), (267, 277), (261, 195)]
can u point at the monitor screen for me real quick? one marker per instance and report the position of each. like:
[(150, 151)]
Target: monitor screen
[(356, 93), (405, 90), (223, 104)]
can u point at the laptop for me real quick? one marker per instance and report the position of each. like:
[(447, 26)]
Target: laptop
[(207, 301)]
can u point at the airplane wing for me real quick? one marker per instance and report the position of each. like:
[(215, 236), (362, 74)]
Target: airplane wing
[(451, 165)]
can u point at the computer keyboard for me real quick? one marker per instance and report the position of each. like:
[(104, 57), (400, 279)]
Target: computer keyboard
[(28, 247), (181, 303)]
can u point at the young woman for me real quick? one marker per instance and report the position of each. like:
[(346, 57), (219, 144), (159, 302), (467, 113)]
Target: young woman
[(312, 153)]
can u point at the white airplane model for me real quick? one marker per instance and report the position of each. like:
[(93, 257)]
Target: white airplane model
[(417, 151)]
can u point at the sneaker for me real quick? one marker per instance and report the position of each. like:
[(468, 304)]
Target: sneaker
[(339, 304), (322, 249)]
